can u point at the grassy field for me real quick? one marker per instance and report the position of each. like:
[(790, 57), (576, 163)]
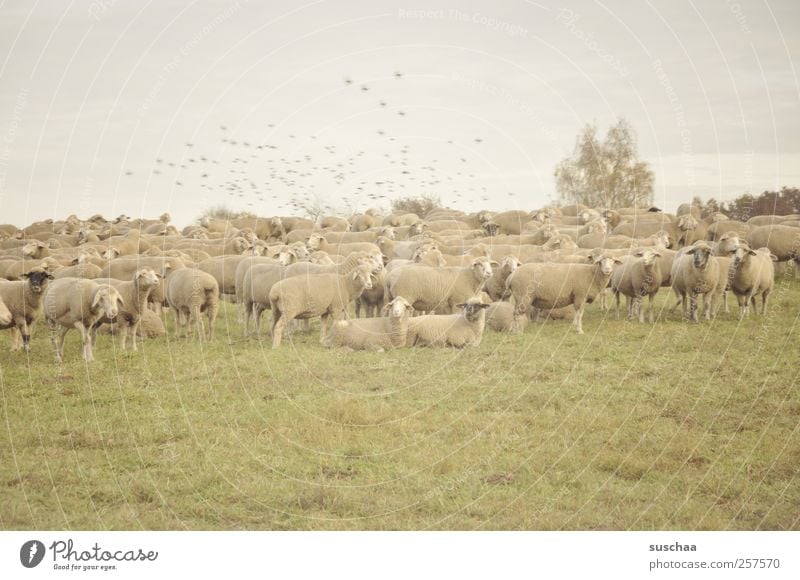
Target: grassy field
[(627, 427)]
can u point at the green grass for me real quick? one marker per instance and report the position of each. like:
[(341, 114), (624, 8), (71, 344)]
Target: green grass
[(627, 427)]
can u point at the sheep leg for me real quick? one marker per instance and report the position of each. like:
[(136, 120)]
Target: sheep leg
[(742, 306), (640, 300), (616, 296), (650, 308), (198, 323), (211, 313), (135, 332), (708, 305), (258, 311), (178, 321), (61, 338), (578, 320), (693, 307), (54, 343), (249, 310), (278, 324), (358, 308), (15, 338), (26, 336), (86, 339), (764, 302), (323, 326)]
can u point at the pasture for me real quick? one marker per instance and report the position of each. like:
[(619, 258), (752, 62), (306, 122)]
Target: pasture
[(666, 426)]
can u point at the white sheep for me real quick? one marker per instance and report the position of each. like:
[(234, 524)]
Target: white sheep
[(134, 293), (500, 317), (428, 289), (78, 303), (190, 292), (496, 285), (752, 274), (455, 330), (547, 286), (695, 272), (638, 276), (23, 299), (377, 334), (323, 295)]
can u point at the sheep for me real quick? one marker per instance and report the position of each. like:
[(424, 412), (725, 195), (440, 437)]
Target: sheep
[(190, 292), (367, 236), (372, 300), (548, 286), (323, 295), (23, 299), (717, 228), (376, 334), (150, 326), (496, 285), (695, 272), (14, 270), (638, 276), (5, 314), (134, 295), (317, 242), (258, 281), (78, 303), (783, 241), (124, 268), (403, 250), (500, 318), (692, 229), (752, 274), (429, 288), (87, 270), (31, 250), (455, 330), (335, 224)]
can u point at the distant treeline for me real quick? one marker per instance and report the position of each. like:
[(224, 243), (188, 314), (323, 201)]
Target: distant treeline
[(783, 202)]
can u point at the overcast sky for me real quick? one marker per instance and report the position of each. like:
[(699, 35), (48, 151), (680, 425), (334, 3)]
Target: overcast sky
[(99, 101)]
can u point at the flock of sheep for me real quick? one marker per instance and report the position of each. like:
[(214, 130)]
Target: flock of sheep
[(435, 280)]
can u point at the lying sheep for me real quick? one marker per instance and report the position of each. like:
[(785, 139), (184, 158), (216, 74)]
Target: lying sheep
[(376, 334), (752, 275), (150, 326), (78, 303), (547, 286), (783, 241), (190, 292), (429, 288), (134, 294), (323, 295), (638, 276), (500, 317), (695, 272), (456, 330), (23, 299)]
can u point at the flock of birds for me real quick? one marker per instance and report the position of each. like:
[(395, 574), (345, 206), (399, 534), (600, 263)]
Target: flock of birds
[(289, 176)]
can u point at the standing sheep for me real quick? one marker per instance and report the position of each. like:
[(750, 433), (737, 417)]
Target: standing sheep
[(134, 294), (323, 295), (429, 288), (752, 274), (78, 303), (376, 334), (190, 292), (496, 285), (638, 276), (695, 272), (547, 286), (23, 299)]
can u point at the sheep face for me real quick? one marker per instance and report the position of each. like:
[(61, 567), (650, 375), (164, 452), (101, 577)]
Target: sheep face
[(648, 257), (511, 263), (417, 229), (700, 256), (107, 300), (363, 275), (300, 250), (605, 264), (728, 243), (30, 249), (473, 308), (387, 232), (276, 223), (165, 218), (398, 308), (147, 277), (37, 280), (687, 222), (111, 253), (491, 228), (240, 245), (286, 258), (482, 268), (314, 242)]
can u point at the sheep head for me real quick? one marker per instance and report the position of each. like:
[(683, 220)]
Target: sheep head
[(648, 256), (604, 263), (387, 232), (37, 279), (700, 252), (362, 275), (147, 277), (240, 245), (511, 263), (397, 308), (473, 309), (300, 250), (108, 301), (687, 222), (491, 228), (111, 253), (482, 268), (314, 242), (728, 243)]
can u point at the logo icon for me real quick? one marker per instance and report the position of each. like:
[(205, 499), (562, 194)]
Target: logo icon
[(31, 553)]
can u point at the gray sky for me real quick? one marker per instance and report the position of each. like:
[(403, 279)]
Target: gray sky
[(92, 94)]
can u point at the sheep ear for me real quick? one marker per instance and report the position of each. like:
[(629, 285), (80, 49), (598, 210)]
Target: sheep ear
[(355, 274), (657, 254), (26, 275), (617, 261), (385, 310), (493, 263), (460, 305), (639, 253), (51, 277), (98, 296), (691, 251), (484, 306), (773, 257), (751, 252)]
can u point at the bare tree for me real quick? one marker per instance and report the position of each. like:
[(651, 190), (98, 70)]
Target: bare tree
[(605, 174)]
